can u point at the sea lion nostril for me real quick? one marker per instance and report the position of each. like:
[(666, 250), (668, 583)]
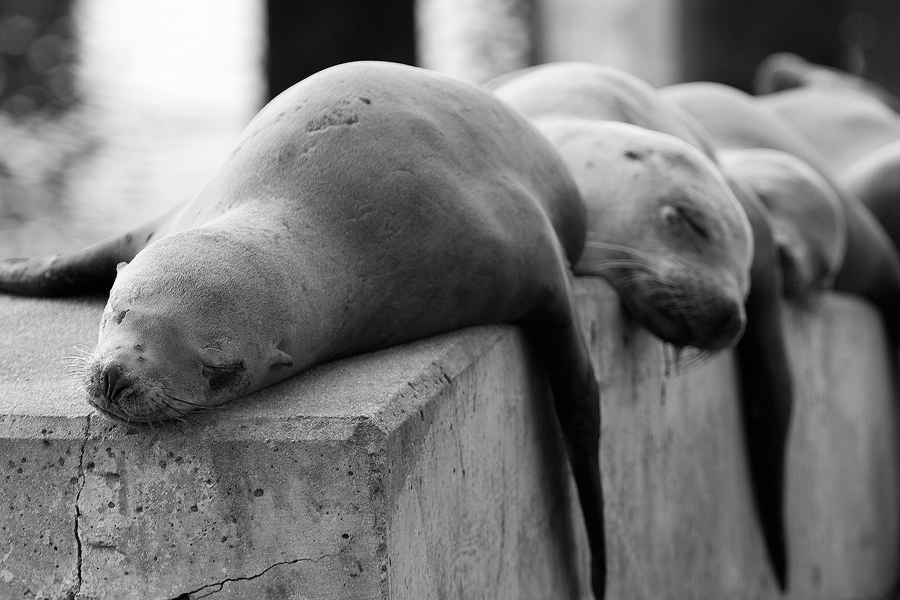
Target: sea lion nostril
[(112, 382), (731, 321)]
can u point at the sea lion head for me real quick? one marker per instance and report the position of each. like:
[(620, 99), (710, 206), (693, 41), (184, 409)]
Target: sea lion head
[(663, 228), (189, 325), (808, 222)]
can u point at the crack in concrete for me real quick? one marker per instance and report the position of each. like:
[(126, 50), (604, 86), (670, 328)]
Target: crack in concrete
[(220, 585), (81, 481)]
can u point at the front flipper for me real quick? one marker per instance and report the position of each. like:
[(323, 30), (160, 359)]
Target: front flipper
[(552, 330), (766, 384), (86, 271)]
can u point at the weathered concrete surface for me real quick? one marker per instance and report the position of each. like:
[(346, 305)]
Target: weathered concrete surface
[(307, 490), (679, 516), (433, 470)]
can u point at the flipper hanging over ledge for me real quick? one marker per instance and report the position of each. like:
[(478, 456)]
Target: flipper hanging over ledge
[(369, 205)]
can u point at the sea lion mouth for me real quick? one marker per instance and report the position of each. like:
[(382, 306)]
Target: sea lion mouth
[(145, 407), (130, 398), (687, 319)]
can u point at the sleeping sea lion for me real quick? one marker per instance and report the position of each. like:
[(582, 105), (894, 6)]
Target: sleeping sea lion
[(368, 205), (598, 92), (785, 70), (654, 201), (859, 138), (663, 228), (807, 217), (736, 120), (843, 125)]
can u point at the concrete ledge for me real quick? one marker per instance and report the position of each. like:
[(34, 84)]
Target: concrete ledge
[(434, 470)]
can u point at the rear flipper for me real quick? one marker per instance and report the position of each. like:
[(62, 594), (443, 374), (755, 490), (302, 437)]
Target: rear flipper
[(86, 271), (554, 333)]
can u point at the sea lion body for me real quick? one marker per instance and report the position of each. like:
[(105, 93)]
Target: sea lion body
[(806, 213), (368, 205), (333, 206), (662, 225), (785, 70), (858, 136), (843, 125), (595, 92)]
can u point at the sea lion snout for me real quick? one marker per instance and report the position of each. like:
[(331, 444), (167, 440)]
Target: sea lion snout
[(701, 317), (727, 327), (111, 389)]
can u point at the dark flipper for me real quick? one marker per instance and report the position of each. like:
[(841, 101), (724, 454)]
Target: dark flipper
[(553, 332), (766, 385), (86, 271), (766, 394), (61, 275)]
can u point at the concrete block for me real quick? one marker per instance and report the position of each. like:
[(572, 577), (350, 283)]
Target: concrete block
[(679, 514), (427, 470), (435, 470)]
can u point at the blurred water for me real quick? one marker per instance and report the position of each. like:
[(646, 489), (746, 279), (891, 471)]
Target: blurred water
[(167, 86)]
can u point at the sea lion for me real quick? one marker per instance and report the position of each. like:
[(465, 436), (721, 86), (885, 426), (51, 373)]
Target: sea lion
[(663, 228), (736, 120), (807, 217), (368, 205), (785, 70), (652, 199), (597, 92), (843, 125), (859, 138), (875, 180)]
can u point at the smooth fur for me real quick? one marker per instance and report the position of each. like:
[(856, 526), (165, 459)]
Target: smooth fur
[(858, 136), (663, 226), (369, 205), (736, 120)]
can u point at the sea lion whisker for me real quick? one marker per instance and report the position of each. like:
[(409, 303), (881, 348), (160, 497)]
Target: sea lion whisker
[(84, 349), (78, 358), (172, 420), (697, 357), (595, 243), (170, 394), (608, 263), (182, 415)]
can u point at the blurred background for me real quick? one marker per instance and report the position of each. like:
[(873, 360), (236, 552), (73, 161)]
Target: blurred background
[(111, 110)]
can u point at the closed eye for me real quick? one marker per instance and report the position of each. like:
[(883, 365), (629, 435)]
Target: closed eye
[(680, 216), (223, 376)]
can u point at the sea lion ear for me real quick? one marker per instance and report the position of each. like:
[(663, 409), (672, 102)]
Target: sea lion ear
[(280, 357), (121, 266)]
